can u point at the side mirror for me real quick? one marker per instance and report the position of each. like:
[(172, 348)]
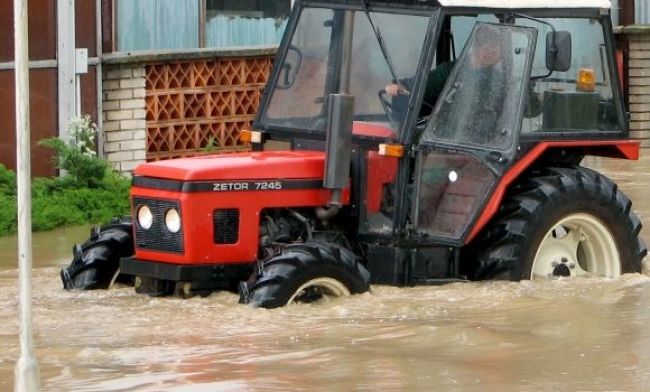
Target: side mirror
[(558, 51)]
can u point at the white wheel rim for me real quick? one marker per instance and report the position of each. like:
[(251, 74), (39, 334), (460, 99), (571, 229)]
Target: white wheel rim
[(328, 287), (579, 245)]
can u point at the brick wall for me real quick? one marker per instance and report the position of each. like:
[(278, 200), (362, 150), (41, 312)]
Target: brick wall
[(124, 116), (639, 82)]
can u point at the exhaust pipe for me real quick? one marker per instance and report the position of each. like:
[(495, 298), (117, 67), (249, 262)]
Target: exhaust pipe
[(340, 109)]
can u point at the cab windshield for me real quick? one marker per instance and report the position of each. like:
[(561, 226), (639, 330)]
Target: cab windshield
[(310, 68)]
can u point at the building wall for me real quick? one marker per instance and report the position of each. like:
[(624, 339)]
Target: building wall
[(42, 80), (124, 115), (43, 118), (46, 63), (639, 82)]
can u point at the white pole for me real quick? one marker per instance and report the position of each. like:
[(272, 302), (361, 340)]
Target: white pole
[(26, 376)]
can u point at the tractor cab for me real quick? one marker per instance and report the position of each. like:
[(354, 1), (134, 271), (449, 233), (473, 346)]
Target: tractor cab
[(477, 88), (421, 142)]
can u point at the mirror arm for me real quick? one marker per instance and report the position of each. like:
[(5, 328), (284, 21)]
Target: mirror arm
[(538, 21), (554, 48), (541, 76)]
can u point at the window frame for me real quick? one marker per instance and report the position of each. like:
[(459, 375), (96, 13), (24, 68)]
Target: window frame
[(201, 26), (617, 92)]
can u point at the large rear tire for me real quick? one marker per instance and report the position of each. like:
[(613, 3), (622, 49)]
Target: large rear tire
[(305, 273), (96, 263), (564, 222)]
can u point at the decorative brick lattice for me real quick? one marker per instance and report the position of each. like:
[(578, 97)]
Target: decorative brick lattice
[(199, 107)]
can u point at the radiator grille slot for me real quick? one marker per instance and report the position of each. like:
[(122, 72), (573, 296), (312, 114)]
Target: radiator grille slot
[(226, 226), (158, 237)]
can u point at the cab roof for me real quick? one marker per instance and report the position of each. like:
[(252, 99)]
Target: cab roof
[(505, 4), (527, 3)]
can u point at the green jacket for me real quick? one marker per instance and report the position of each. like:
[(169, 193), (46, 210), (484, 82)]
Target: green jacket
[(436, 82)]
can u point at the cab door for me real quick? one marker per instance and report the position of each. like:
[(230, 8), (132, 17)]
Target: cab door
[(473, 133)]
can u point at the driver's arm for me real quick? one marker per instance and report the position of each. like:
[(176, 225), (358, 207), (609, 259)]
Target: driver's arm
[(436, 82), (394, 89)]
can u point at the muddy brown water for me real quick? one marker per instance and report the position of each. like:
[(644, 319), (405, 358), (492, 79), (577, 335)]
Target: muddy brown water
[(588, 334)]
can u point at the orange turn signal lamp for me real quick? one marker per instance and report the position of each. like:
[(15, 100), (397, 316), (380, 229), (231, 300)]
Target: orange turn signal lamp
[(586, 80), (391, 150), (248, 136)]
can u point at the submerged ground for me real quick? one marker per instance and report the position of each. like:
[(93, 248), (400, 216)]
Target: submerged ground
[(529, 336)]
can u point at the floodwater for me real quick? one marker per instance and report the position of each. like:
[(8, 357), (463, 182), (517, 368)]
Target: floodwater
[(589, 334)]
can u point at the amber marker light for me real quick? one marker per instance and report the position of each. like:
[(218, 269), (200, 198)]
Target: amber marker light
[(245, 136), (586, 80), (391, 150)]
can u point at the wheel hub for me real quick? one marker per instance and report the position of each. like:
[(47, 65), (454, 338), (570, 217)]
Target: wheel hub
[(561, 270), (319, 288)]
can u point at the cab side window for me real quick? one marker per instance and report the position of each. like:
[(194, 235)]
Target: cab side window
[(580, 99), (462, 26)]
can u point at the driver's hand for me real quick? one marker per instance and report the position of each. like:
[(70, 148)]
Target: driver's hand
[(392, 89)]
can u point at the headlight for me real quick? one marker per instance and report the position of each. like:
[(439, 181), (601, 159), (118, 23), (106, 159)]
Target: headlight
[(172, 220), (145, 217)]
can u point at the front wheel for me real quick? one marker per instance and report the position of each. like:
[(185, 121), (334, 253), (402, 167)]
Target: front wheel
[(96, 263), (564, 222), (305, 273)]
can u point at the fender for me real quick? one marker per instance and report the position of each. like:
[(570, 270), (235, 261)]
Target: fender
[(624, 149)]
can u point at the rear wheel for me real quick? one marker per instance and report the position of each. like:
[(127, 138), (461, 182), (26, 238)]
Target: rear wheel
[(96, 263), (577, 245), (305, 273), (566, 222)]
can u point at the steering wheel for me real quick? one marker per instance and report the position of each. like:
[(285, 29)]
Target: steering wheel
[(384, 102), (387, 106), (393, 116), (286, 78)]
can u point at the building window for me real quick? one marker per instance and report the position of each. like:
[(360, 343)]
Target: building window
[(154, 24), (177, 24), (245, 22)]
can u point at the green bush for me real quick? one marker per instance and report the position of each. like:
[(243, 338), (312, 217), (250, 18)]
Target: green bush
[(91, 192), (7, 215), (7, 181), (78, 156), (58, 202)]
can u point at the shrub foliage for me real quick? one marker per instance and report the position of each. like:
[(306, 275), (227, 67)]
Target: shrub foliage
[(91, 192), (64, 201)]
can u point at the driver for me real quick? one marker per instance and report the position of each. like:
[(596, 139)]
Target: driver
[(435, 83)]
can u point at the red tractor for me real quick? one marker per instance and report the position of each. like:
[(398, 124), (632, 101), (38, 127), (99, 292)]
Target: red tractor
[(397, 142)]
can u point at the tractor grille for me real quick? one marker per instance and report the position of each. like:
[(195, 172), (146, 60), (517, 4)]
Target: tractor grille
[(225, 226), (158, 237)]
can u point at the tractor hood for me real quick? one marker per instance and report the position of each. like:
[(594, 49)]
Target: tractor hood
[(239, 166)]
